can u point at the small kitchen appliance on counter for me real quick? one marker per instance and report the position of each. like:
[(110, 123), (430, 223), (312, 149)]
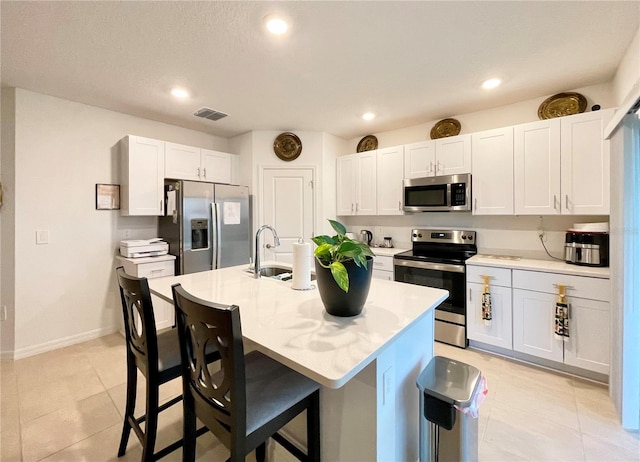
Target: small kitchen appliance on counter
[(366, 236), (437, 259), (587, 244), (138, 248)]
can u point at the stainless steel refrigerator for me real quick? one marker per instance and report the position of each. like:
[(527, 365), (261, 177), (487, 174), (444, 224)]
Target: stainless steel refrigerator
[(206, 225)]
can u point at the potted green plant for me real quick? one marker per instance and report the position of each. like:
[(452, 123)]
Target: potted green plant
[(343, 271)]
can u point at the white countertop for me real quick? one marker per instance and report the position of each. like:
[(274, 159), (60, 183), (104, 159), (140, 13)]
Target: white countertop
[(548, 266), (387, 251), (293, 328)]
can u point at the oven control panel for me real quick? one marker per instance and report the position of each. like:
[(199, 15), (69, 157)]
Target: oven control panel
[(443, 236)]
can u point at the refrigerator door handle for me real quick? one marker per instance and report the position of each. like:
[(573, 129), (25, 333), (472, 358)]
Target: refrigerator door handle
[(215, 217)]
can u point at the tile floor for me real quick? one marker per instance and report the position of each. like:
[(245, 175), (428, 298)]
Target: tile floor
[(67, 405)]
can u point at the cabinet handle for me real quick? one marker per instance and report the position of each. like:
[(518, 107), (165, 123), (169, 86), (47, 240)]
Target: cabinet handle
[(198, 172), (204, 171), (438, 166), (555, 201), (566, 201), (356, 207), (400, 206), (161, 207), (469, 293), (475, 204), (352, 206)]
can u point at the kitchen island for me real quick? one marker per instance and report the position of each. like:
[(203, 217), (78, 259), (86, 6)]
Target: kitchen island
[(367, 365)]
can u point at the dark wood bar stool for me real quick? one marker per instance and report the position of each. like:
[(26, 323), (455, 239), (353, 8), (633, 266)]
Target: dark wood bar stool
[(156, 355), (250, 398)]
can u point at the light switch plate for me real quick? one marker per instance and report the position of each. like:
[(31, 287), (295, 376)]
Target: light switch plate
[(42, 236)]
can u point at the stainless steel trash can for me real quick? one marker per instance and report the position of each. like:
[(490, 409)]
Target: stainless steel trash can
[(446, 433)]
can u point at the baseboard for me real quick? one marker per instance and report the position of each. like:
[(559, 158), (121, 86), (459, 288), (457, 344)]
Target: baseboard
[(62, 342)]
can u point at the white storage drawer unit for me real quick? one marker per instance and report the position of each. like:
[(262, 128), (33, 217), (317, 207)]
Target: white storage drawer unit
[(156, 269), (383, 267), (578, 286), (498, 331)]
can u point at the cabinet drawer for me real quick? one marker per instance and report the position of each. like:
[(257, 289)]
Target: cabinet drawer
[(497, 276), (383, 262), (155, 269), (577, 286)]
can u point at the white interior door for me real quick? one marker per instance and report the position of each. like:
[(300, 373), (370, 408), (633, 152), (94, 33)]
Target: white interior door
[(288, 206)]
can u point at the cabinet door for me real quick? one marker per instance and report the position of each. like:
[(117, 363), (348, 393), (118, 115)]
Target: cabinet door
[(498, 331), (492, 169), (142, 176), (453, 155), (537, 168), (346, 184), (366, 197), (585, 164), (420, 159), (182, 162), (390, 171), (589, 339), (533, 324), (215, 166)]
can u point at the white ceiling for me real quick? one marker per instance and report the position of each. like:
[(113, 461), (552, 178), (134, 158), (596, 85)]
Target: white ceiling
[(409, 62)]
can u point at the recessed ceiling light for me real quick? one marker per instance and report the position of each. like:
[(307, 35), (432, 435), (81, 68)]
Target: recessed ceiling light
[(491, 83), (368, 115), (276, 25), (180, 93)]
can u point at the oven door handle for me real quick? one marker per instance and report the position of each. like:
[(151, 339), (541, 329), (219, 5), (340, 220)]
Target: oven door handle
[(430, 265)]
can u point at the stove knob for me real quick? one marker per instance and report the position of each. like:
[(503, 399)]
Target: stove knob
[(419, 235), (463, 236), (415, 235)]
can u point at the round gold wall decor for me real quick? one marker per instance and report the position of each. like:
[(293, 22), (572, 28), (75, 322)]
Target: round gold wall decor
[(287, 146), (368, 143), (562, 104), (444, 128)]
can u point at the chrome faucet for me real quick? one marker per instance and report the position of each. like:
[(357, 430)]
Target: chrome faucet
[(256, 260)]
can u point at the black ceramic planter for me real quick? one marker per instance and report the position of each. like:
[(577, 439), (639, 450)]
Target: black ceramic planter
[(334, 299)]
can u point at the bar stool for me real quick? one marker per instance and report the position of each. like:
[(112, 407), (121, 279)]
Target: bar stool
[(156, 355), (250, 398)]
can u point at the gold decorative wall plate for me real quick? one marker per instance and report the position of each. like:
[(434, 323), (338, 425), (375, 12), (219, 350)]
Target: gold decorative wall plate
[(444, 128), (368, 143), (562, 104), (287, 146)]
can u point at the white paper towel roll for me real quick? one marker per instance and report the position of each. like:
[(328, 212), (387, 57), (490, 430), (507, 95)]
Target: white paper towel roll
[(301, 265)]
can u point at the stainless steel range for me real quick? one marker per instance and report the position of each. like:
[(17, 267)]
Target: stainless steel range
[(437, 259)]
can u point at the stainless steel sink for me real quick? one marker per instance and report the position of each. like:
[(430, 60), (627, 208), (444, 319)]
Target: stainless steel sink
[(275, 272)]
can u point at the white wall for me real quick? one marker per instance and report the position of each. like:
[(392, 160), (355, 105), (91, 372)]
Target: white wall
[(628, 72), (319, 150), (66, 291), (513, 114)]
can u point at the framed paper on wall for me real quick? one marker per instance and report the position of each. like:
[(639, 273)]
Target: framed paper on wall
[(107, 196)]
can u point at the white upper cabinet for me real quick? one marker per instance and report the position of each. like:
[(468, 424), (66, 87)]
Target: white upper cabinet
[(537, 168), (215, 166), (585, 163), (492, 170), (191, 163), (182, 162), (561, 166), (356, 184), (346, 185), (444, 156), (142, 176), (390, 169)]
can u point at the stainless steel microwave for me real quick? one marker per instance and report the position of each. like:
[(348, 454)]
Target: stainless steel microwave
[(445, 193)]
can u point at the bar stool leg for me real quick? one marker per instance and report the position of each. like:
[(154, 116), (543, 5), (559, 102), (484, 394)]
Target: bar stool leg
[(132, 384)]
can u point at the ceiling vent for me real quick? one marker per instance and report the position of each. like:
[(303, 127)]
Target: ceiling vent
[(211, 114)]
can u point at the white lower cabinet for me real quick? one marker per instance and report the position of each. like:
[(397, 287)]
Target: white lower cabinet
[(498, 331), (154, 267), (534, 299), (383, 267)]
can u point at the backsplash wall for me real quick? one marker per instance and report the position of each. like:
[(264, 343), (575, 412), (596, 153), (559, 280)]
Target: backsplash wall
[(504, 235)]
